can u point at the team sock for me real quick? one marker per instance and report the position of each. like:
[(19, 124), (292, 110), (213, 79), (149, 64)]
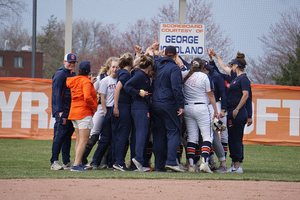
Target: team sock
[(179, 153), (197, 155), (191, 149), (211, 156), (205, 150)]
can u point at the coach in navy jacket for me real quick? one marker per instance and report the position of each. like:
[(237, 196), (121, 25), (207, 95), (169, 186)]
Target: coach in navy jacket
[(61, 102), (167, 106)]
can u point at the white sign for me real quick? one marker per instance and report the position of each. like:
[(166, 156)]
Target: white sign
[(187, 38)]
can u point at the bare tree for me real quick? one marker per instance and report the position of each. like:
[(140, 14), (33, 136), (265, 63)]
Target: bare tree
[(86, 36), (9, 8), (51, 42), (281, 40), (16, 35), (107, 42), (138, 34)]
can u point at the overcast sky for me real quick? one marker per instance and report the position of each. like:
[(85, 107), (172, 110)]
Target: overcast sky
[(242, 20)]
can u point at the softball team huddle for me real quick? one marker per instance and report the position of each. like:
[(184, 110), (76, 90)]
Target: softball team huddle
[(145, 101)]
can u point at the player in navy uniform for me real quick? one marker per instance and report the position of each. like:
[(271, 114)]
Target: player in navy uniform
[(139, 88), (61, 102), (121, 119), (237, 112), (167, 108)]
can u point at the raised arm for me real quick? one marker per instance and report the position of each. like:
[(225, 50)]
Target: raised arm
[(219, 60)]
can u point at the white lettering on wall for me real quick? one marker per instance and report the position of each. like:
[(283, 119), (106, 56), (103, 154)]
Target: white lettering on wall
[(52, 121), (263, 116), (28, 109), (7, 108), (294, 106)]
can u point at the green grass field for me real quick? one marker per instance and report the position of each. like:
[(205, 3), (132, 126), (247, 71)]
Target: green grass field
[(29, 159)]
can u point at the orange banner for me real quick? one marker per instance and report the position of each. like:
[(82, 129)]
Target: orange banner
[(25, 106), (275, 115)]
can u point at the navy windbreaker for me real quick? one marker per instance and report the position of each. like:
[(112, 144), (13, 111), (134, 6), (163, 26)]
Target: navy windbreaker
[(61, 95), (167, 84)]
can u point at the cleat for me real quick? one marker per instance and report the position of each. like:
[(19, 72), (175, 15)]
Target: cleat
[(56, 166), (222, 169), (78, 168), (205, 168), (175, 168), (213, 167), (235, 170), (67, 166), (121, 168), (192, 168), (88, 167), (138, 165)]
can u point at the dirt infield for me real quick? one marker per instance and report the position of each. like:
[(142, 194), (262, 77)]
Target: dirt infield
[(145, 189)]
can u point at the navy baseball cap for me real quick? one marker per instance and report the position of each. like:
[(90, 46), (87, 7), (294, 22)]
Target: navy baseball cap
[(170, 51), (234, 61), (207, 65), (85, 65), (230, 62), (70, 57)]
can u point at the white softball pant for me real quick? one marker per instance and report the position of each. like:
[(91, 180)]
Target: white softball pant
[(97, 120), (197, 116)]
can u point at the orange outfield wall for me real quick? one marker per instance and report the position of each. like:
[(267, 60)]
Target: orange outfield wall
[(25, 106)]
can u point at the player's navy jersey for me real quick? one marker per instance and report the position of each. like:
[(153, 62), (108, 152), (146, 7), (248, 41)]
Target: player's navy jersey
[(167, 84), (123, 77), (219, 88), (237, 86), (139, 81)]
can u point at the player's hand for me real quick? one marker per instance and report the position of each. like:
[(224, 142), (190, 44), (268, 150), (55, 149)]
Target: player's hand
[(235, 113), (209, 51), (216, 115), (155, 44), (222, 114), (249, 121), (143, 93), (92, 78), (138, 50), (160, 53), (116, 112), (180, 111), (149, 51)]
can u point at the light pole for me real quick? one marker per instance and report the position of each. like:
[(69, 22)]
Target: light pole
[(182, 11), (33, 49), (68, 26)]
